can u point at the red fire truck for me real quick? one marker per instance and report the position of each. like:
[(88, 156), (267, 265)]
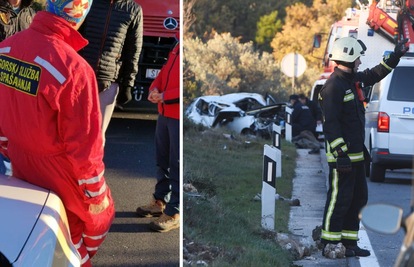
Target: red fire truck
[(161, 23)]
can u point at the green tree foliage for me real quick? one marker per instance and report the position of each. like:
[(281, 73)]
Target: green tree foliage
[(302, 23), (239, 17), (38, 5), (223, 65), (267, 28)]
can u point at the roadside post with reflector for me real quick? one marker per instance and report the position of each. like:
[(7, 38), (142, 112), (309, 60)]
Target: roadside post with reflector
[(272, 168), (288, 124)]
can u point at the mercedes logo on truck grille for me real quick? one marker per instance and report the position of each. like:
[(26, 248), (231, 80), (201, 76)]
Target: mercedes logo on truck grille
[(170, 23)]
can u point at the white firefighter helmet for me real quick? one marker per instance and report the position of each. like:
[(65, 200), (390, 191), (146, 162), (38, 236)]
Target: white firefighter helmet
[(347, 49)]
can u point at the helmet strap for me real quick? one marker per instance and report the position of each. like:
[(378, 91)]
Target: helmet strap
[(350, 65)]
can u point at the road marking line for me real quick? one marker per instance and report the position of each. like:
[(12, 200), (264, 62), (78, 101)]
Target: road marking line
[(364, 243)]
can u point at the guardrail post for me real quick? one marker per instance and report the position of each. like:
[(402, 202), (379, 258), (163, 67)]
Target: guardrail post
[(288, 124), (269, 188)]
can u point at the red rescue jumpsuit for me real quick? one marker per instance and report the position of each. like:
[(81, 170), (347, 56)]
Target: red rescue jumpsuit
[(50, 123)]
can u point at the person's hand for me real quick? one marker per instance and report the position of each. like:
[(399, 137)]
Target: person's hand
[(124, 95), (96, 209), (343, 164), (154, 96), (393, 58), (400, 49)]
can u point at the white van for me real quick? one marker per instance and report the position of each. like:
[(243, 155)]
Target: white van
[(389, 121)]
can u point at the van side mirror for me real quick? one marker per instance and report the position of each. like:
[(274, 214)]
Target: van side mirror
[(382, 218), (317, 40)]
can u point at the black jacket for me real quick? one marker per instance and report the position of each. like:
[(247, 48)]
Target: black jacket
[(314, 109), (344, 113), (11, 22), (301, 119), (114, 29)]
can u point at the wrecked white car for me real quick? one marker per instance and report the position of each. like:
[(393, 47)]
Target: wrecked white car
[(244, 113)]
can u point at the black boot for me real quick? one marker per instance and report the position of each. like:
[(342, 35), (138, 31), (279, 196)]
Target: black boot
[(352, 251)]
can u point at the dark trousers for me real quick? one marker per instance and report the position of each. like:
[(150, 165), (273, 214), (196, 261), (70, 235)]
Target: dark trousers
[(167, 145), (2, 166), (347, 195)]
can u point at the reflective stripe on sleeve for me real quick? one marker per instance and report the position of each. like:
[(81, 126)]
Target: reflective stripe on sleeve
[(5, 49), (337, 142), (52, 70)]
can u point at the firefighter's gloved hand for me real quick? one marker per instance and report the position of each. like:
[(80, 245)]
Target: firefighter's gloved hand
[(393, 58), (340, 150), (124, 95), (343, 164), (400, 49)]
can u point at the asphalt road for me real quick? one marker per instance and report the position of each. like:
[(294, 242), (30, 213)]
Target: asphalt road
[(396, 190), (130, 173)]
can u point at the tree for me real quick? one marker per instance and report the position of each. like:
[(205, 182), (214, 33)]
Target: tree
[(267, 28), (302, 23), (239, 17), (223, 65)]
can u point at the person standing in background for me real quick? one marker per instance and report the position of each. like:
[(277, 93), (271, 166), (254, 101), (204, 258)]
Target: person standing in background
[(114, 30), (313, 107), (15, 16), (165, 91), (301, 117)]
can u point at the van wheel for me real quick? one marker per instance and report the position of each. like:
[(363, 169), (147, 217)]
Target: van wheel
[(377, 173)]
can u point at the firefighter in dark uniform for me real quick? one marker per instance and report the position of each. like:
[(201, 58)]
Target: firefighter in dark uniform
[(341, 100)]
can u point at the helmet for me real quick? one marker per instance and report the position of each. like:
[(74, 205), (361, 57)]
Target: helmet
[(347, 49)]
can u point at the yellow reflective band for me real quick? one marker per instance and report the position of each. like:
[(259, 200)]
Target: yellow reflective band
[(386, 66), (337, 142), (335, 179), (349, 97), (356, 156), (334, 236)]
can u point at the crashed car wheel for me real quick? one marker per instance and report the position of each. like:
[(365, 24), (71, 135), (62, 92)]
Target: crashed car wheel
[(247, 131)]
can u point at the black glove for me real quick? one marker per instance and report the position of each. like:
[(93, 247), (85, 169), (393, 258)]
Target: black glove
[(393, 58), (340, 150), (124, 95), (343, 164)]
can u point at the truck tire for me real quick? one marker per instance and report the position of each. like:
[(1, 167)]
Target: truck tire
[(377, 173)]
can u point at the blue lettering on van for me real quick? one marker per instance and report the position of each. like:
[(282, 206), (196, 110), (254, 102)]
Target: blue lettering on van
[(408, 110)]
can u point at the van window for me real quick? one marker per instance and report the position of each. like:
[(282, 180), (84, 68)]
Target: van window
[(401, 85), (375, 92)]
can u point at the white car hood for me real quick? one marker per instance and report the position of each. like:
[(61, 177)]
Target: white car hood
[(20, 206)]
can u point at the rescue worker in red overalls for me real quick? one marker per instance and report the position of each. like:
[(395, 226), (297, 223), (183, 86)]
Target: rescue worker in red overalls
[(165, 91), (50, 121)]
